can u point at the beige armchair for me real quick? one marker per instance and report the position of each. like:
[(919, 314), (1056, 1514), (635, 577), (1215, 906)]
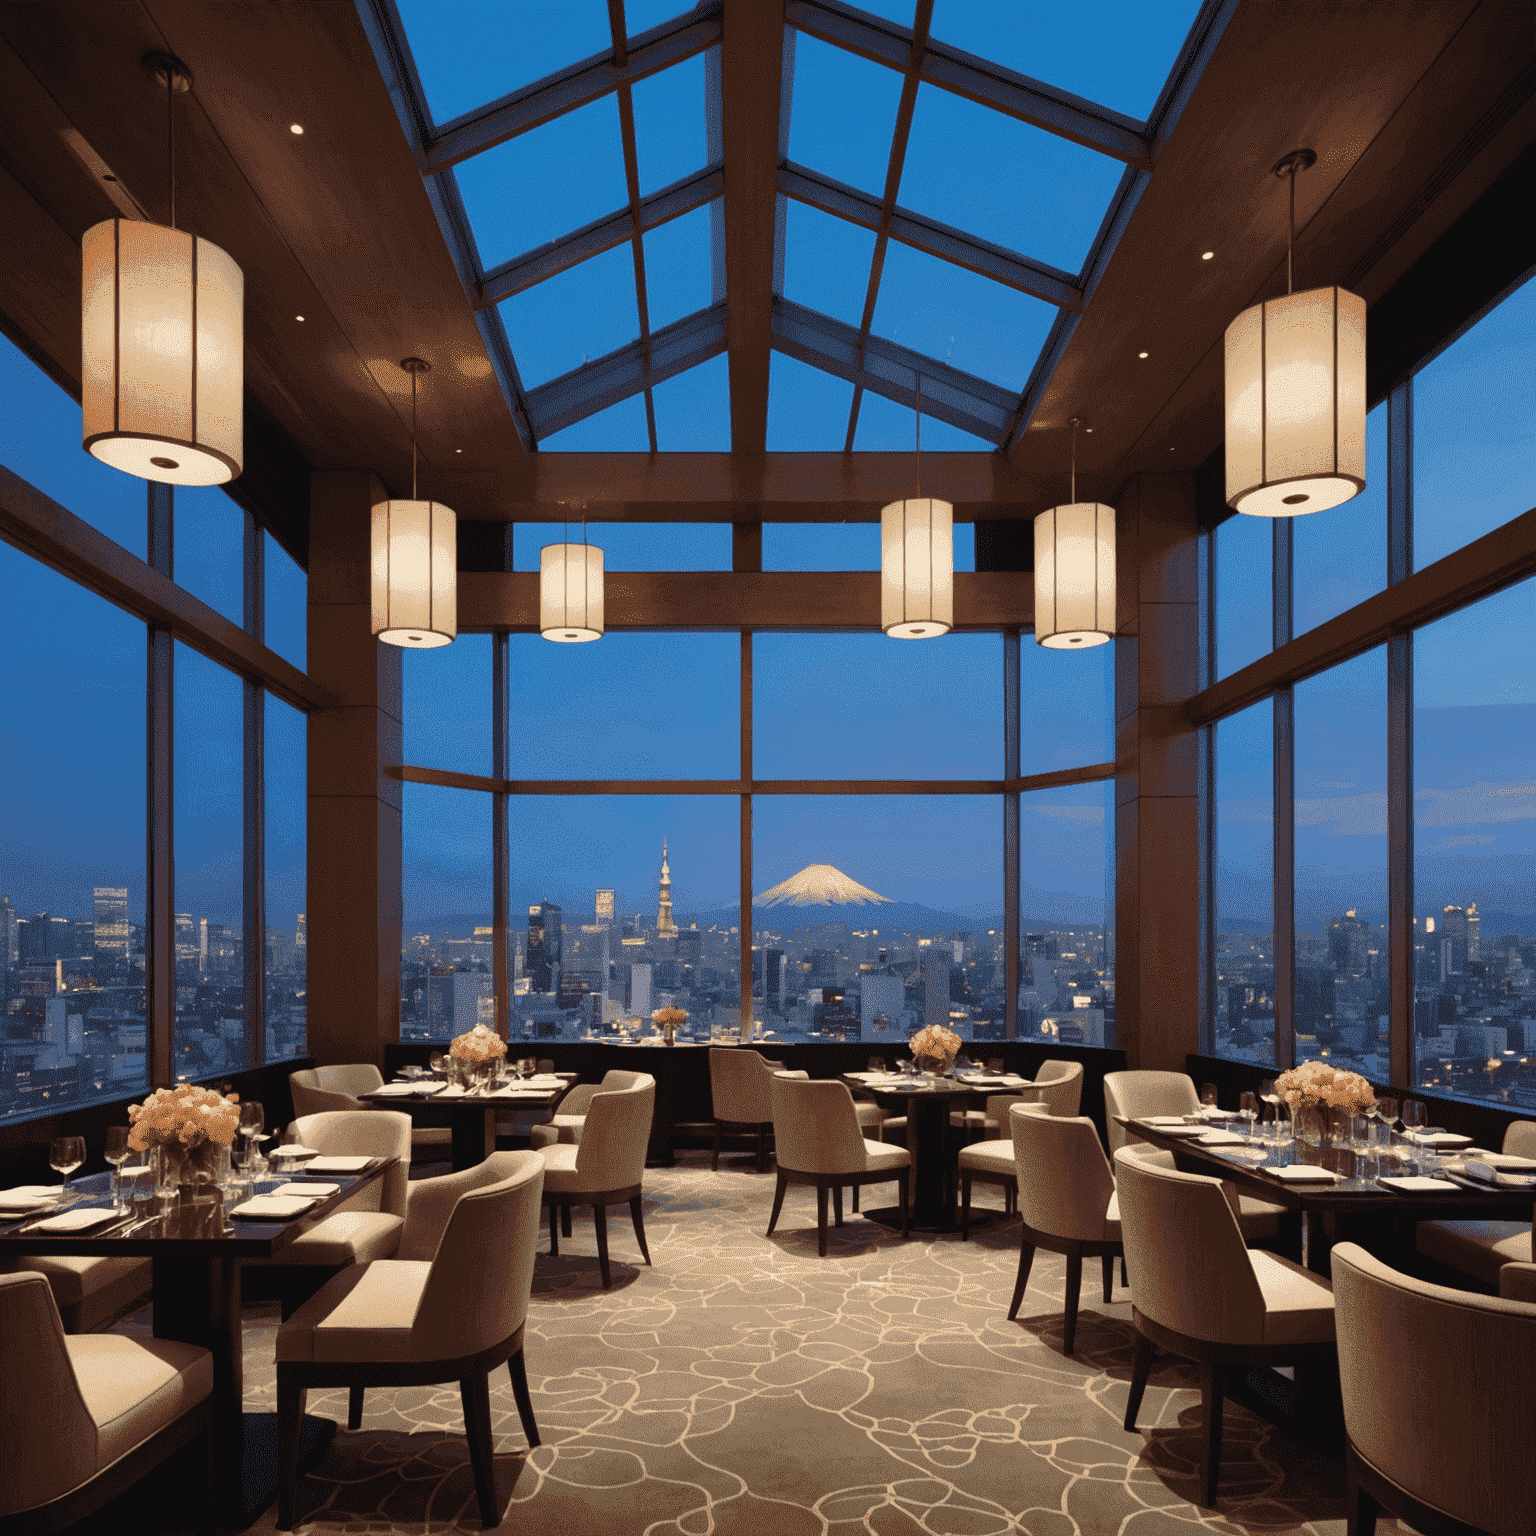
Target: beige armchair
[(564, 1127), (1139, 1094), (1437, 1402), (88, 1289), (417, 1322), (1059, 1087), (819, 1141), (365, 1227), (606, 1167), (1517, 1282), (317, 1089), (1198, 1292), (84, 1418), (1067, 1201), (1482, 1248)]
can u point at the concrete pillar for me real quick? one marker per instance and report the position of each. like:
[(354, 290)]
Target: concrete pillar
[(353, 916), (1157, 895)]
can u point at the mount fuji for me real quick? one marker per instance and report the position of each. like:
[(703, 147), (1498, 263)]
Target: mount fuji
[(819, 885)]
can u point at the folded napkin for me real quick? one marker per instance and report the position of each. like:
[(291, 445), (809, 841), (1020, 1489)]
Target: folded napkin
[(1485, 1173), (544, 1080), (1506, 1162), (1306, 1173), (274, 1207), (398, 1090), (25, 1198), (1222, 1139), (1162, 1120), (79, 1220), (1172, 1127), (1419, 1184), (340, 1164), (1210, 1112), (309, 1189), (452, 1091), (292, 1153), (1437, 1139)]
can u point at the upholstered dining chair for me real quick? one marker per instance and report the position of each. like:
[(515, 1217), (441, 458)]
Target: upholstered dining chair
[(1482, 1248), (1438, 1413), (564, 1127), (606, 1167), (316, 1089), (819, 1141), (84, 1418), (363, 1228), (1067, 1202), (1138, 1094), (1198, 1292), (741, 1097), (420, 1322), (1059, 1087), (88, 1289)]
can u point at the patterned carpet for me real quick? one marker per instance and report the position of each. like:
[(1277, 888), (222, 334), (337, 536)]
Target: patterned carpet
[(745, 1387)]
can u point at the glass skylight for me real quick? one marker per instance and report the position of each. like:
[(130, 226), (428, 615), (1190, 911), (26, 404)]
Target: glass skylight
[(545, 183), (807, 409), (576, 316), (1115, 52), (886, 426), (670, 141), (677, 268), (826, 263), (947, 312), (475, 51), (641, 15), (1012, 184), (843, 114), (693, 409), (843, 546), (632, 546), (619, 429)]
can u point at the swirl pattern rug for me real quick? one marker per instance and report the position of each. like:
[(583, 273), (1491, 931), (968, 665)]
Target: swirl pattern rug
[(745, 1387)]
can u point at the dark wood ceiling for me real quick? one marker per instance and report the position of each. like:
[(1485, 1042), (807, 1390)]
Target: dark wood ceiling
[(1414, 108)]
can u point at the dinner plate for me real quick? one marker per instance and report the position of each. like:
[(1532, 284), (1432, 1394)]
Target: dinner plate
[(274, 1207), (1305, 1173), (307, 1189), (1419, 1184), (339, 1164), (80, 1220)]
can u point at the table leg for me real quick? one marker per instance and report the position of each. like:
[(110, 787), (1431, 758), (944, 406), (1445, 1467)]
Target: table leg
[(474, 1135)]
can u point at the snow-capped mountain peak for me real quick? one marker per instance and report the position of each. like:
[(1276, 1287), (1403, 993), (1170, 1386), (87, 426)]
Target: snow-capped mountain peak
[(818, 885)]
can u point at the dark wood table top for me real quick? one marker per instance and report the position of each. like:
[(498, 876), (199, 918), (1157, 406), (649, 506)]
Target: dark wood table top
[(186, 1231), (928, 1088), (1470, 1200), (532, 1098)]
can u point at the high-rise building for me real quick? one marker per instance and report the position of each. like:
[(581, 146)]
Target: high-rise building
[(544, 946), (453, 1004), (1349, 944), (665, 926), (1454, 934), (936, 968), (771, 975), (640, 990), (187, 946), (298, 935), (9, 949), (111, 932), (881, 999), (1474, 932), (604, 908)]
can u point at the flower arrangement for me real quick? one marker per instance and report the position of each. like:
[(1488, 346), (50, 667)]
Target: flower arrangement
[(1316, 1085), (935, 1040), (183, 1117), (665, 1018), (478, 1045)]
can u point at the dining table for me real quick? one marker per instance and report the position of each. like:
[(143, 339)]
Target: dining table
[(470, 1112), (1351, 1204), (196, 1251), (927, 1101)]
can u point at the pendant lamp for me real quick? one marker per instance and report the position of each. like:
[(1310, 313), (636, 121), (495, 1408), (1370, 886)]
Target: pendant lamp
[(571, 591), (1075, 571), (162, 358), (415, 560), (1295, 392), (917, 559)]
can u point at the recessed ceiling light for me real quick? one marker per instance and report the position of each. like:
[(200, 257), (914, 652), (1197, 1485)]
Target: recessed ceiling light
[(1206, 255), (299, 318), (458, 450), (295, 127), (1141, 354)]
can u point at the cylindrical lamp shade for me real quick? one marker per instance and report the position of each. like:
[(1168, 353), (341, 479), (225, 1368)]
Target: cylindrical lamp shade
[(571, 592), (415, 573), (917, 569), (1075, 576), (1296, 404), (162, 353)]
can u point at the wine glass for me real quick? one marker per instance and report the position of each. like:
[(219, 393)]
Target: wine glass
[(877, 1063), (1414, 1120), (65, 1155), (435, 1061), (1208, 1095), (252, 1122), (1386, 1112), (995, 1066), (1248, 1111), (116, 1153)]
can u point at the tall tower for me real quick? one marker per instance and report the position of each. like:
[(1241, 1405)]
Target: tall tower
[(665, 926)]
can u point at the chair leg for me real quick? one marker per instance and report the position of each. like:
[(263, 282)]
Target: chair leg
[(1124, 1282), (778, 1202), (554, 1231), (714, 1161), (600, 1225), (476, 1395), (1026, 1261), (821, 1220), (855, 1199), (517, 1369), (204, 1497), (290, 1422), (1141, 1368), (637, 1216), (903, 1184), (355, 1407), (762, 1147), (565, 1221), (965, 1207), (1074, 1290), (1107, 1264), (1360, 1508), (1211, 1402), (837, 1204)]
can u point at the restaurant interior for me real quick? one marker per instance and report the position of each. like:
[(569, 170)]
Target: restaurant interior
[(1161, 372)]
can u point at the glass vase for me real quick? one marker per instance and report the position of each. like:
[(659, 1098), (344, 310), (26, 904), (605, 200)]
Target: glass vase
[(190, 1173)]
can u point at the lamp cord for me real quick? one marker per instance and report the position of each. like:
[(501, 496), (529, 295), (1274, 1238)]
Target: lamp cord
[(1290, 240), (1074, 460), (170, 138), (413, 434), (919, 454)]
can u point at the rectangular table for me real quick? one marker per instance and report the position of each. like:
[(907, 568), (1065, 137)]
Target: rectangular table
[(472, 1115), (196, 1300), (1351, 1206)]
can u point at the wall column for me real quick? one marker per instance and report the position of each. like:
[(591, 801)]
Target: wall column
[(1157, 888), (353, 914)]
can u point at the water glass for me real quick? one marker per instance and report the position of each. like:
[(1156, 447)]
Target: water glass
[(877, 1063), (436, 1060), (65, 1155), (1248, 1111), (1208, 1095), (116, 1153)]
